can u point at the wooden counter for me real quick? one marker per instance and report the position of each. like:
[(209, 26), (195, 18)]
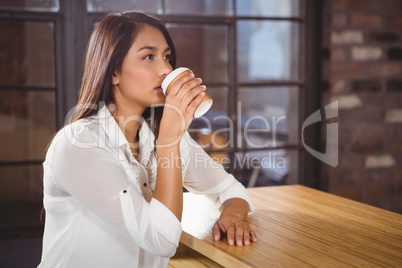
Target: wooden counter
[(298, 227)]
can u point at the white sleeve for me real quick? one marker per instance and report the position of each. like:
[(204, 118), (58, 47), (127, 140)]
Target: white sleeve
[(204, 176), (96, 177)]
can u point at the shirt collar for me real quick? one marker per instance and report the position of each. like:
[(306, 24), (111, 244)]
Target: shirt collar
[(116, 137)]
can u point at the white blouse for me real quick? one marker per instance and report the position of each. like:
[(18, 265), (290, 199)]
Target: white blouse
[(98, 197)]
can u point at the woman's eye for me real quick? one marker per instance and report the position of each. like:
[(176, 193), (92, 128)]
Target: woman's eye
[(168, 57), (149, 57)]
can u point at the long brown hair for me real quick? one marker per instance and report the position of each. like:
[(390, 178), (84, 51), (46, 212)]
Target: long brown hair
[(107, 48), (109, 44)]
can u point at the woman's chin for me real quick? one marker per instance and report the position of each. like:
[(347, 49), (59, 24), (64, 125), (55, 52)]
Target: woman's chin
[(159, 101)]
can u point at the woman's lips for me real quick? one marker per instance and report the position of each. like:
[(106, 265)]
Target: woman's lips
[(159, 89)]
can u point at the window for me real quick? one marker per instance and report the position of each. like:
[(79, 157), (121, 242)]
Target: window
[(251, 55), (28, 90)]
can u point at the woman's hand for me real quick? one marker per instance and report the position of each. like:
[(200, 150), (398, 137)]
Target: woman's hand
[(235, 228), (180, 105)]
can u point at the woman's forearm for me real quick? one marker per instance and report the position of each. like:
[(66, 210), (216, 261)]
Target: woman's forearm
[(235, 206), (169, 184)]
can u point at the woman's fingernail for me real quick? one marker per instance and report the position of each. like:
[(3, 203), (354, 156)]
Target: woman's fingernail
[(216, 237), (202, 93), (231, 242)]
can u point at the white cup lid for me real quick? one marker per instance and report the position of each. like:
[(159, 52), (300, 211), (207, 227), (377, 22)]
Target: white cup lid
[(168, 79), (203, 108)]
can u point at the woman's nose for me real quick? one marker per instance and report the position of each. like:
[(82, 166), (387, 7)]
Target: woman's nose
[(165, 69)]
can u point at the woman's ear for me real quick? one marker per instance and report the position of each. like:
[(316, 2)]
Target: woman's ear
[(115, 80)]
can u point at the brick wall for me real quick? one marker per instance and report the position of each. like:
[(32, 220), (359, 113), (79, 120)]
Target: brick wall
[(362, 69)]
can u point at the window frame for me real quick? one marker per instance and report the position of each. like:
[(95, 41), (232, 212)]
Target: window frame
[(73, 26)]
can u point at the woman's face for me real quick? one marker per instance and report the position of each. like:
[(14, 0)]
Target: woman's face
[(143, 70)]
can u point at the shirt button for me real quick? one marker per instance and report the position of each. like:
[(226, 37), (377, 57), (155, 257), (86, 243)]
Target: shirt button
[(145, 184)]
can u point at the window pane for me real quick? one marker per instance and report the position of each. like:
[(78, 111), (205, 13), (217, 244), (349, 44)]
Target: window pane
[(204, 49), (212, 131), (27, 123), (199, 7), (267, 50), (151, 6), (27, 54), (30, 5), (266, 168), (21, 195), (269, 116), (27, 179), (271, 8)]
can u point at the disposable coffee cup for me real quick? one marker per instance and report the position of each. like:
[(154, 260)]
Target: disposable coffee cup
[(176, 74)]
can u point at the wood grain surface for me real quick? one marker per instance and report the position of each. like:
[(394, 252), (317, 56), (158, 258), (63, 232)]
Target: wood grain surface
[(299, 227)]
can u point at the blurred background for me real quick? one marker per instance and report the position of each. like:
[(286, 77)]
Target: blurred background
[(268, 65)]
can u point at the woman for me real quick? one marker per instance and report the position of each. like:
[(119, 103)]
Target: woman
[(113, 189)]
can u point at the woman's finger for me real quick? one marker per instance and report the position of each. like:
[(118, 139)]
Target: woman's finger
[(239, 235), (253, 235), (231, 235), (216, 233), (188, 90), (187, 86), (179, 83), (246, 237), (190, 97)]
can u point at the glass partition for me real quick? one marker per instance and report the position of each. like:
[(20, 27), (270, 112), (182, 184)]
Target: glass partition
[(199, 7), (202, 48), (152, 6), (31, 5), (268, 116), (27, 124), (268, 8), (26, 55), (267, 167), (267, 50)]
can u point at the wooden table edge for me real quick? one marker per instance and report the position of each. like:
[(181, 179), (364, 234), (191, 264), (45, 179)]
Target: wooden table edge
[(211, 252)]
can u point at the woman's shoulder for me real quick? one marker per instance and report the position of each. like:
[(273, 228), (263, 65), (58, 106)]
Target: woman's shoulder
[(83, 133)]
